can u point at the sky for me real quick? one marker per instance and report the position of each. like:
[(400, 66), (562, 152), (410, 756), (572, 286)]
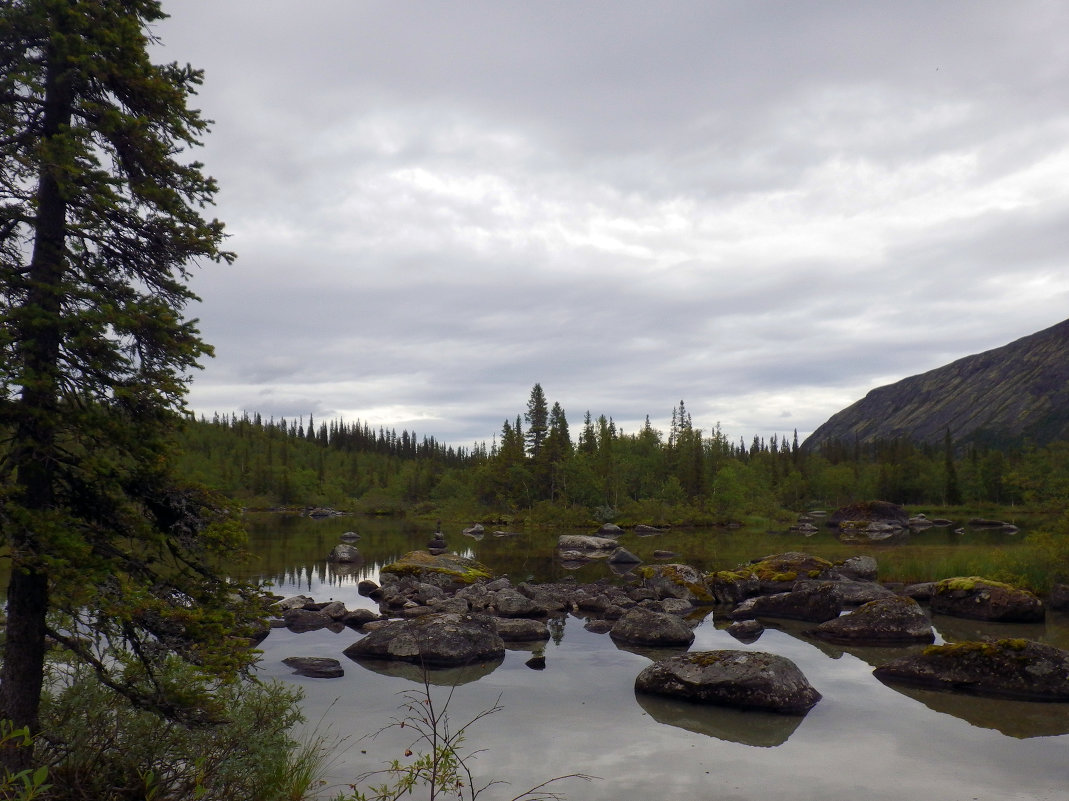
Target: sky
[(765, 209)]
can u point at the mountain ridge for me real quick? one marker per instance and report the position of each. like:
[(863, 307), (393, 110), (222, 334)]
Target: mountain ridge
[(1000, 397)]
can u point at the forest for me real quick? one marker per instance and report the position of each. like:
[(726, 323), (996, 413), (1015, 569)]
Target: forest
[(536, 470)]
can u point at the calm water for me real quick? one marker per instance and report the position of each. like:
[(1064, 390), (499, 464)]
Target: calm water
[(863, 741)]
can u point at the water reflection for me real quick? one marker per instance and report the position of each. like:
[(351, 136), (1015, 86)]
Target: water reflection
[(440, 677), (591, 679), (1020, 719), (748, 727)]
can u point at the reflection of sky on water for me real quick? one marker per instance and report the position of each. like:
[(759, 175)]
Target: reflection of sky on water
[(864, 740)]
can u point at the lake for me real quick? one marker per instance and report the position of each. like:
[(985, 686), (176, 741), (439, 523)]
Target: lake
[(864, 740)]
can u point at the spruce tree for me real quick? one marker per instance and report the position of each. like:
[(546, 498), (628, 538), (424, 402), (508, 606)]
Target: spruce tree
[(100, 220), (537, 417)]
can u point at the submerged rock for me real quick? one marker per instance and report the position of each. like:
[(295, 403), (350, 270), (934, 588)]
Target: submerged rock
[(886, 621), (983, 599), (1005, 668), (742, 679)]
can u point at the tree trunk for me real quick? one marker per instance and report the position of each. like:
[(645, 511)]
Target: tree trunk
[(33, 448)]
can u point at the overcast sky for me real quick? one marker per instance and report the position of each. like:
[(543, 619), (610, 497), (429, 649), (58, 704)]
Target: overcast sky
[(765, 209)]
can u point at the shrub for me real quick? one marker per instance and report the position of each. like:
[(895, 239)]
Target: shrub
[(97, 747)]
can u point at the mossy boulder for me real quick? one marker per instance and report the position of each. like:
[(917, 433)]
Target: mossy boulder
[(445, 570), (1011, 668), (675, 581), (741, 679), (984, 599), (886, 621), (770, 574)]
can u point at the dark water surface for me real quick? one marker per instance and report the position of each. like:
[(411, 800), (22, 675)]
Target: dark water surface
[(863, 741)]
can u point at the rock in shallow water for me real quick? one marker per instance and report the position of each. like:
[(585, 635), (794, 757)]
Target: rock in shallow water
[(742, 679), (316, 667), (1009, 668)]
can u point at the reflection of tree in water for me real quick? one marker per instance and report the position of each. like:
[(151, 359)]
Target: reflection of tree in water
[(748, 727), (556, 629)]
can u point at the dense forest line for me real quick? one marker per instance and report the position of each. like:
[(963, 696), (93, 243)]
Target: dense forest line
[(536, 470)]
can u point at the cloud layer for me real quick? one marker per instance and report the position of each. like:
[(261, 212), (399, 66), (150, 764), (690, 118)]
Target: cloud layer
[(764, 208)]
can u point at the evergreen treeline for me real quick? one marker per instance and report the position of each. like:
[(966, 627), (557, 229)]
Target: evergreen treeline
[(537, 468)]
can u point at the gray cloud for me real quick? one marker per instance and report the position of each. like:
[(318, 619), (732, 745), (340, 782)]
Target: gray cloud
[(764, 208)]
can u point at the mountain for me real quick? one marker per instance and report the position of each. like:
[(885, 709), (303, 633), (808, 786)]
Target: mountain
[(999, 397)]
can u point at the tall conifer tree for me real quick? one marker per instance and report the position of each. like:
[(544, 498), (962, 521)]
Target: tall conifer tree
[(100, 218)]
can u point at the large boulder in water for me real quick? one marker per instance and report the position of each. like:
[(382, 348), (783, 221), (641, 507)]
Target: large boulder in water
[(884, 512), (765, 576), (886, 621), (1021, 669), (446, 570), (742, 679), (817, 602), (435, 640), (676, 581), (983, 599), (642, 626)]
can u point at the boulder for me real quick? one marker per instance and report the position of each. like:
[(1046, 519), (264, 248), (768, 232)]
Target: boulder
[(675, 581), (1020, 669), (358, 618), (512, 603), (851, 593), (474, 530), (622, 556), (886, 621), (645, 627), (742, 679), (582, 542), (647, 531), (746, 631), (345, 553), (610, 530), (448, 571), (434, 640), (859, 568), (765, 576), (316, 667), (367, 587), (817, 602), (921, 591), (869, 512), (521, 630), (868, 531), (294, 602), (983, 599), (302, 620), (349, 536)]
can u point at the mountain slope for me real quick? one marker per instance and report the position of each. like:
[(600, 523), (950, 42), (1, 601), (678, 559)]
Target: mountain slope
[(1001, 396)]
